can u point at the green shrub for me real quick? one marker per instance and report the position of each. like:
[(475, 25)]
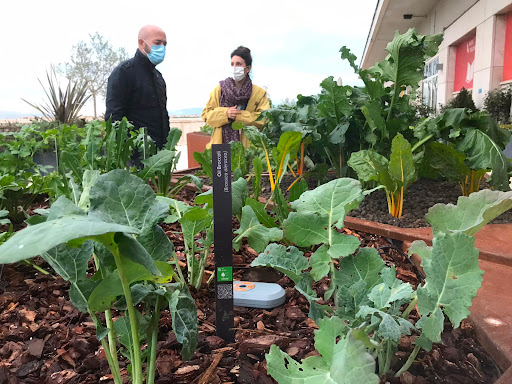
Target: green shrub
[(462, 100), (497, 104)]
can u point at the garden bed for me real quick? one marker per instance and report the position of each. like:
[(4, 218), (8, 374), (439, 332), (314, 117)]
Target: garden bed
[(48, 340)]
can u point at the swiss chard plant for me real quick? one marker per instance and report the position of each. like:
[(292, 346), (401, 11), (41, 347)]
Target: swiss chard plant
[(134, 267), (395, 174), (389, 114), (474, 144), (369, 307)]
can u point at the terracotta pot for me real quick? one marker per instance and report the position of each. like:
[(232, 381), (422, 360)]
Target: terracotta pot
[(196, 142)]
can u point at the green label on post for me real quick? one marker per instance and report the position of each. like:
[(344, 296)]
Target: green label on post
[(225, 274)]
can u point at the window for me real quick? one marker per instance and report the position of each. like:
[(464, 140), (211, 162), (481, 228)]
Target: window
[(429, 83)]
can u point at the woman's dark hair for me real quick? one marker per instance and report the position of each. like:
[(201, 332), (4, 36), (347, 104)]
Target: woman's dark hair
[(244, 53)]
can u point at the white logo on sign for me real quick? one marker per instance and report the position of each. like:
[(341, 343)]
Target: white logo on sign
[(469, 72)]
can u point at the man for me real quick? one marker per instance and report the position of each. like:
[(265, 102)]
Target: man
[(136, 89)]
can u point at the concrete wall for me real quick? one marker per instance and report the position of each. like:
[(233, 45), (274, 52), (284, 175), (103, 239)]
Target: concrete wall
[(186, 125)]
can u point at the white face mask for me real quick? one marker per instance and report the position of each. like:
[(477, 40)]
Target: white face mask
[(238, 73)]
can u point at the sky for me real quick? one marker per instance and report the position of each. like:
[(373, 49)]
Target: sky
[(294, 43)]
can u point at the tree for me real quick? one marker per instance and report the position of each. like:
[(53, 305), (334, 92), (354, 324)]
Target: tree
[(92, 62)]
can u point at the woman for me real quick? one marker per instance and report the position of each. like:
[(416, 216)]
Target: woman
[(235, 99)]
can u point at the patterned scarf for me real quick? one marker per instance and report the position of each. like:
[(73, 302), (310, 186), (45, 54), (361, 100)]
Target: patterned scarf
[(229, 97)]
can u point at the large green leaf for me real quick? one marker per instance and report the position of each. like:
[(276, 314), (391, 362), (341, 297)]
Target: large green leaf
[(401, 163), (70, 263), (366, 266), (157, 244), (261, 213), (240, 192), (447, 161), (333, 104), (37, 239), (453, 278), (471, 213), (193, 222), (64, 207), (184, 320), (257, 138), (110, 287), (130, 248), (122, 198), (289, 261), (333, 200), (342, 245), (173, 137), (351, 363), (90, 177), (306, 229), (297, 190), (258, 236), (320, 262), (161, 162), (483, 153), (288, 145), (405, 63), (326, 337), (71, 161), (370, 165), (372, 113)]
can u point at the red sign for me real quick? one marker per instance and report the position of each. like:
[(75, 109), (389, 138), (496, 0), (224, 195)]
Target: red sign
[(464, 64), (507, 59)]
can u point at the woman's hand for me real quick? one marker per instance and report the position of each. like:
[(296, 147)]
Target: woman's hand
[(233, 112)]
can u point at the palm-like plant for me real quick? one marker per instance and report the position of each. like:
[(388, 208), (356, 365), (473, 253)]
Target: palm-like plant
[(62, 106)]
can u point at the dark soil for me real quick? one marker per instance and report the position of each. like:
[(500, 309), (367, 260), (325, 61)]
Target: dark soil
[(420, 196), (44, 339)]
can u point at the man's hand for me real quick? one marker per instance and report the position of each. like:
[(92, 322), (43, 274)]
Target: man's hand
[(233, 112)]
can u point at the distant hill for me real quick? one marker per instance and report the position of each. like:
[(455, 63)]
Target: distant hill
[(14, 115), (185, 112)]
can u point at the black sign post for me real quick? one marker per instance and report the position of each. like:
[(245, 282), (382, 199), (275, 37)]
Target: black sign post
[(223, 237)]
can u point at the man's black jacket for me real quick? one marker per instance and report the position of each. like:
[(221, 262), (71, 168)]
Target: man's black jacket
[(136, 89)]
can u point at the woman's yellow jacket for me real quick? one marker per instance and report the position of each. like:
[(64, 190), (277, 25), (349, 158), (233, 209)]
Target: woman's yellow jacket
[(217, 116)]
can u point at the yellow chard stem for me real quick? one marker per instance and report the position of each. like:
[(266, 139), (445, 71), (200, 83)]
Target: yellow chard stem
[(479, 181), (291, 170), (272, 185), (389, 201), (392, 206), (401, 202), (291, 185), (301, 158)]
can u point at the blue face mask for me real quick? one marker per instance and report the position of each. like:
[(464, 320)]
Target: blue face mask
[(157, 54)]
